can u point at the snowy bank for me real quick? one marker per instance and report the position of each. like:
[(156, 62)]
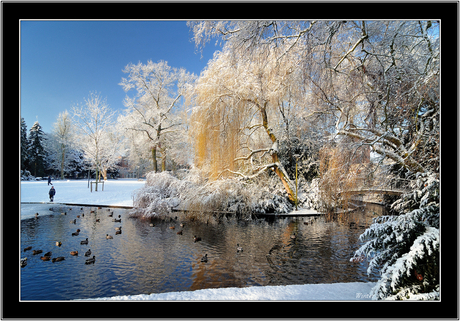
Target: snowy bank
[(116, 192), (306, 292)]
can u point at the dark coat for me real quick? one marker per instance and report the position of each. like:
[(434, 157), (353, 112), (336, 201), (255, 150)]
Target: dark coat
[(52, 191)]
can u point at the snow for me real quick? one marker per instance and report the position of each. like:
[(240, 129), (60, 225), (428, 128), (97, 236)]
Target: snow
[(116, 192), (303, 211), (304, 292)]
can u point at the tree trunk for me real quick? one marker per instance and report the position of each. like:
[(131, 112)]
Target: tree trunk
[(62, 161), (97, 174), (279, 169), (154, 159)]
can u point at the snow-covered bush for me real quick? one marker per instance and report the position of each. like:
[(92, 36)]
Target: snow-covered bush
[(310, 196), (159, 194), (26, 176), (406, 246), (162, 192)]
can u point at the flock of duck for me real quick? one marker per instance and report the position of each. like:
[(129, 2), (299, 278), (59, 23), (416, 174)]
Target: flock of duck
[(118, 230), (91, 260), (204, 259)]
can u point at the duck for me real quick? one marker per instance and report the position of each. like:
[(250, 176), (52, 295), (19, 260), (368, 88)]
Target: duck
[(58, 243), (47, 254), (152, 225), (172, 227), (196, 239), (35, 252), (23, 262), (204, 258), (98, 220), (239, 248), (88, 253), (78, 216), (118, 228), (84, 242), (65, 213), (75, 233), (117, 219), (111, 214), (73, 221), (118, 232), (179, 233), (74, 253), (182, 224), (28, 248), (36, 215), (91, 260), (108, 237), (57, 259), (45, 258), (293, 236)]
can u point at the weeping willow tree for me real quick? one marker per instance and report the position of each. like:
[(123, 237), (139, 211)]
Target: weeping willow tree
[(238, 108)]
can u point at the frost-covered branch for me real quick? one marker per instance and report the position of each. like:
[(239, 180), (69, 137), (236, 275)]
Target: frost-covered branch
[(251, 154), (364, 37), (260, 170)]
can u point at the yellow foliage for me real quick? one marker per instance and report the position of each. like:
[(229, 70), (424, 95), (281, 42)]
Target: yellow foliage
[(234, 99), (338, 174)]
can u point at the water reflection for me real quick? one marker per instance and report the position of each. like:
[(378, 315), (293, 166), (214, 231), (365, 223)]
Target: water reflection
[(145, 259)]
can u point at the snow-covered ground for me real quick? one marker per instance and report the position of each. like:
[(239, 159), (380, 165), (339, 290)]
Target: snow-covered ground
[(305, 292), (303, 211), (116, 192)]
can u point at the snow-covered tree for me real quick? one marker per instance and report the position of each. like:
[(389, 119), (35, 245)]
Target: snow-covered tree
[(405, 247), (78, 164), (60, 144), (243, 107), (94, 124), (377, 80), (113, 150), (24, 145), (36, 150), (154, 108)]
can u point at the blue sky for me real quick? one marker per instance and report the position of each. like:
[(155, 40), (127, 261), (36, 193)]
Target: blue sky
[(62, 61)]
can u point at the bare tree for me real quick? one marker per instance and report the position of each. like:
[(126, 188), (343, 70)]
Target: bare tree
[(61, 142), (152, 110), (94, 121)]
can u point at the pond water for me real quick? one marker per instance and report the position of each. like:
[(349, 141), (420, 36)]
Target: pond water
[(145, 259)]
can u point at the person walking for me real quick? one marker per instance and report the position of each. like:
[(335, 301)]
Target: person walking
[(52, 192), (49, 180)]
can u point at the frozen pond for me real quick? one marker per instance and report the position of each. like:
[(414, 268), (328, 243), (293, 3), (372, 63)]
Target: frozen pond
[(145, 259)]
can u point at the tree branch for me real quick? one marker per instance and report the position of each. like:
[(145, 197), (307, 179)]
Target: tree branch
[(351, 50), (251, 153)]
